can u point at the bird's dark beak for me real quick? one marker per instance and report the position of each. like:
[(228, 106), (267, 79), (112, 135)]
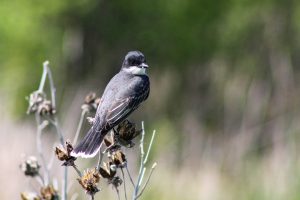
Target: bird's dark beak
[(143, 65)]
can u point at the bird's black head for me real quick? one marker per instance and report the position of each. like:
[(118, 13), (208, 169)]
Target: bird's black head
[(135, 62)]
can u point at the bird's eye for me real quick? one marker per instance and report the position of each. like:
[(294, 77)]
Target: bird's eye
[(134, 61)]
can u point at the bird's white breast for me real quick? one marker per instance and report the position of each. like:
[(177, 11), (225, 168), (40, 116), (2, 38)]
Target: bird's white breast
[(136, 70)]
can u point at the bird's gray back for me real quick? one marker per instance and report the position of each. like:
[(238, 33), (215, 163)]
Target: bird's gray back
[(122, 87)]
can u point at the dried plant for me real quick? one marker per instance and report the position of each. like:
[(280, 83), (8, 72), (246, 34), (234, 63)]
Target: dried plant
[(89, 181), (111, 171)]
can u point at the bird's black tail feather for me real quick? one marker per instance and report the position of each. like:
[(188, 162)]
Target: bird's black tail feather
[(90, 144)]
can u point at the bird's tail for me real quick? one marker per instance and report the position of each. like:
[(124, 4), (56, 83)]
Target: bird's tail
[(90, 144)]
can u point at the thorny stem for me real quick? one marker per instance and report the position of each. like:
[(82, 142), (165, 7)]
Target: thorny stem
[(124, 183), (81, 120)]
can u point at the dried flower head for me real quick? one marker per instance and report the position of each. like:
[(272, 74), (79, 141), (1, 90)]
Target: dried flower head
[(29, 196), (46, 108), (65, 154), (115, 181), (34, 100), (89, 181), (111, 144), (108, 170), (30, 166), (38, 103), (126, 132), (49, 193), (118, 158), (91, 102)]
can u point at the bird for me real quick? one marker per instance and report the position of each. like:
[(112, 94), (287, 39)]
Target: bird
[(122, 95)]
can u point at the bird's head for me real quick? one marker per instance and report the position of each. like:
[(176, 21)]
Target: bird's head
[(135, 63)]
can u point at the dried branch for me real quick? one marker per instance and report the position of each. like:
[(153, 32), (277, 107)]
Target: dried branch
[(81, 120), (147, 181), (143, 161), (124, 183)]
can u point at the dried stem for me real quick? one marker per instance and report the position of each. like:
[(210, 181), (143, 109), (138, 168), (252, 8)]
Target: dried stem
[(77, 170), (100, 159), (149, 148), (141, 163), (118, 193), (47, 71), (58, 131), (147, 181), (124, 184), (131, 180), (51, 159), (40, 179), (61, 139), (40, 127), (141, 179), (52, 88), (81, 120), (142, 169), (44, 76), (74, 196)]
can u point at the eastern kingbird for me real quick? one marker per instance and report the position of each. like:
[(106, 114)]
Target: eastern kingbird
[(122, 95)]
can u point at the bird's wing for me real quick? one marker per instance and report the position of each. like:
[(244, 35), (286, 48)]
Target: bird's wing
[(121, 108)]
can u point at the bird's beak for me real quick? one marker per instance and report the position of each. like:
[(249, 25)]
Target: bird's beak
[(143, 65)]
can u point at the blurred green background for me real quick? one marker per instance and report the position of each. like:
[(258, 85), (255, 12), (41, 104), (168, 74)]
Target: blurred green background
[(225, 89)]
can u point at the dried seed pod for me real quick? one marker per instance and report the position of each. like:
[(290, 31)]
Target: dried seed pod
[(49, 193), (91, 102), (89, 181), (65, 154), (34, 100), (38, 103), (30, 196), (118, 158), (115, 181), (30, 167), (126, 132), (46, 108), (108, 170)]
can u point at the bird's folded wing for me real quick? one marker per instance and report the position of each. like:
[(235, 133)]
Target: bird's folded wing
[(118, 110)]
